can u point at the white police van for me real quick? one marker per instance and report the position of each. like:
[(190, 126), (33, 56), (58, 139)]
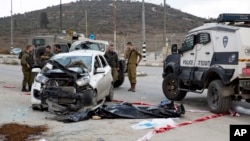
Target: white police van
[(214, 56)]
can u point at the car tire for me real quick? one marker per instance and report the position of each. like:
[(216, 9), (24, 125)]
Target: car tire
[(89, 97), (119, 82), (121, 74), (111, 93), (170, 88), (215, 99), (248, 100)]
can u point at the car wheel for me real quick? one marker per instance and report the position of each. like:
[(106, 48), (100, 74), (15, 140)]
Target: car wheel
[(216, 101), (111, 93), (170, 88), (121, 74), (248, 100), (119, 82), (89, 97)]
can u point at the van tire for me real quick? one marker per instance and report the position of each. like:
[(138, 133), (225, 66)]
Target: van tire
[(215, 99), (170, 87)]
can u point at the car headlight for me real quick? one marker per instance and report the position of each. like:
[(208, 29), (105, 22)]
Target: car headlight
[(41, 79), (83, 81)]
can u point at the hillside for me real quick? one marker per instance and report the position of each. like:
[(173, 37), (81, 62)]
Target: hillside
[(100, 22)]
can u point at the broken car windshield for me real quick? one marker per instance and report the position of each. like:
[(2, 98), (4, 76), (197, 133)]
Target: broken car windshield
[(74, 61)]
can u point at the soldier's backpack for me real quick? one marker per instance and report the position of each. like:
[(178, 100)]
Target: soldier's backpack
[(20, 55)]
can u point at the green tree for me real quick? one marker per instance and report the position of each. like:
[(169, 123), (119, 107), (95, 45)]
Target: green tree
[(44, 21)]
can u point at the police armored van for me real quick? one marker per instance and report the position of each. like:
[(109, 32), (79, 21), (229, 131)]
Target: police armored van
[(214, 56)]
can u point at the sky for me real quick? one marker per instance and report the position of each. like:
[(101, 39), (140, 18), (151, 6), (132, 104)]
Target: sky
[(200, 8)]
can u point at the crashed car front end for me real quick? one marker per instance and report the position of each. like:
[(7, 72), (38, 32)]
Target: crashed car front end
[(65, 88)]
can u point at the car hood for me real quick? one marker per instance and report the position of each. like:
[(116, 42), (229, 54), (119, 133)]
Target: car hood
[(74, 72)]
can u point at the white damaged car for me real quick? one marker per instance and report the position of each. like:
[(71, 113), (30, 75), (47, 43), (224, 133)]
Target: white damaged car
[(72, 81)]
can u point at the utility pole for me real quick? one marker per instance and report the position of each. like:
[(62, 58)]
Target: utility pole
[(164, 24), (86, 23), (11, 27), (114, 8), (60, 16), (143, 32)]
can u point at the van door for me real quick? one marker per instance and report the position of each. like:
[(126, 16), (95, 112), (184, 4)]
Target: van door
[(204, 53), (188, 54)]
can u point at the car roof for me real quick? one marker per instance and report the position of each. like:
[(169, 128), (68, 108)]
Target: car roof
[(81, 53), (93, 41)]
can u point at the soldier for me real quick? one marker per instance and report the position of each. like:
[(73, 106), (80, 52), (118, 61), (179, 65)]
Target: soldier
[(112, 58), (27, 63), (57, 49), (132, 56), (47, 55)]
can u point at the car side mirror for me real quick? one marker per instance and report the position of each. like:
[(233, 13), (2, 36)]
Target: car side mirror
[(35, 71), (99, 70), (174, 49)]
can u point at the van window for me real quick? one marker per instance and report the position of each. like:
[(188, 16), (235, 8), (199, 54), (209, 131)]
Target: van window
[(203, 38), (188, 43), (38, 42)]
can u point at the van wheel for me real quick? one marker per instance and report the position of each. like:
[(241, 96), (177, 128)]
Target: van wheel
[(170, 87), (216, 101)]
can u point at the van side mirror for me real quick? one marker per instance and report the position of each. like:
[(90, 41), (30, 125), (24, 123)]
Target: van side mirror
[(174, 49)]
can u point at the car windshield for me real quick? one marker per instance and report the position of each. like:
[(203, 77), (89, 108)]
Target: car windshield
[(87, 45), (74, 61)]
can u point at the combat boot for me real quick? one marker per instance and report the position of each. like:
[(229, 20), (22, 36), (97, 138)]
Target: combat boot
[(24, 89), (133, 87), (130, 89), (29, 88)]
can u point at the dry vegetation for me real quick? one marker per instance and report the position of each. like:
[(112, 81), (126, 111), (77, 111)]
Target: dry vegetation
[(100, 22)]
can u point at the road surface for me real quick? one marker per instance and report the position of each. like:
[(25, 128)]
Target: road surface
[(15, 107)]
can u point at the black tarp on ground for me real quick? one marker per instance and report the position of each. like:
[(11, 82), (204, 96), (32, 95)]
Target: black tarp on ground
[(129, 111)]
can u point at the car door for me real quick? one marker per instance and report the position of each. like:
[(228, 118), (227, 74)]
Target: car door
[(98, 78), (107, 75)]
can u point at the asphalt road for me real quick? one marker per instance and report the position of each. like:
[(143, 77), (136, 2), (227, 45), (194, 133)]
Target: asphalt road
[(15, 107)]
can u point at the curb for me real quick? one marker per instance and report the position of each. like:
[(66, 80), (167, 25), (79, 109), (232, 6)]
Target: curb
[(153, 64)]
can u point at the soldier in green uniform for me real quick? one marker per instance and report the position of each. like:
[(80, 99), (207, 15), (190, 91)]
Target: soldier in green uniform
[(134, 58), (112, 58), (57, 49), (47, 55), (27, 63)]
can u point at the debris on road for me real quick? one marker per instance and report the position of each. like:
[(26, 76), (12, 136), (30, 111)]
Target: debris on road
[(20, 132), (155, 123)]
